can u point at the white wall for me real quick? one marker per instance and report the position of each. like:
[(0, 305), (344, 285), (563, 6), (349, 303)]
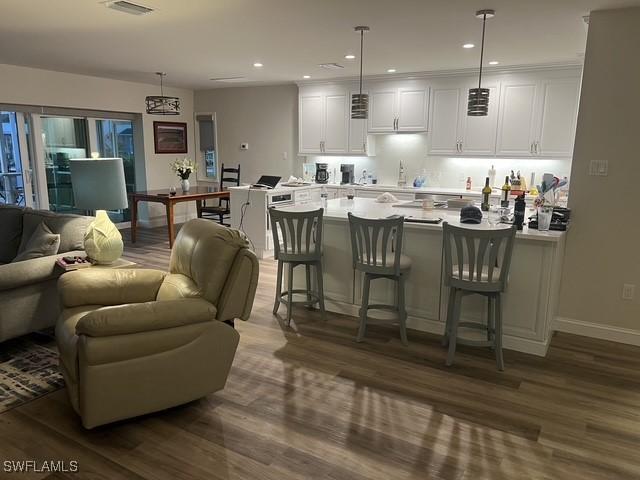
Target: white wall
[(440, 171), (30, 86), (264, 117), (602, 246)]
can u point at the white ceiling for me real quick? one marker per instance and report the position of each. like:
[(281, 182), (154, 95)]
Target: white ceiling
[(195, 40)]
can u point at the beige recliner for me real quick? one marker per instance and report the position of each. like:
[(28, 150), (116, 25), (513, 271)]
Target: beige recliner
[(137, 341)]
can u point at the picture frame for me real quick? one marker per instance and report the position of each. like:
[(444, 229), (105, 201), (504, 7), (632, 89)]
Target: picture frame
[(170, 137)]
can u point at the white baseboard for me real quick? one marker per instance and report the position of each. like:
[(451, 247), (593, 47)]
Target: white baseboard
[(161, 220), (596, 330), (509, 342)]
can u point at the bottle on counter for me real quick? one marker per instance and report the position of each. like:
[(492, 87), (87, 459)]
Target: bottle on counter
[(486, 192), (506, 188), (324, 196), (518, 213), (468, 185), (492, 176), (402, 176)]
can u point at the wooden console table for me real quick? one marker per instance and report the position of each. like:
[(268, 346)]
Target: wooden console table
[(195, 194)]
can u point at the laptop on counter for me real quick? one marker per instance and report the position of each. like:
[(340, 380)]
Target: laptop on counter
[(266, 181)]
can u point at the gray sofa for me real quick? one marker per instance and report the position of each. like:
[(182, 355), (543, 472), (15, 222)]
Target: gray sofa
[(28, 293)]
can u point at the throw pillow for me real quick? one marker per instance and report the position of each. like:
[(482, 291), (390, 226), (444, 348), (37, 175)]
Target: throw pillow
[(42, 243)]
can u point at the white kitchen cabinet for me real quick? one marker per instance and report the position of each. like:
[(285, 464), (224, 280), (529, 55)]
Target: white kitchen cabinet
[(400, 106), (323, 120), (516, 118), (336, 123), (452, 131), (310, 122), (558, 108)]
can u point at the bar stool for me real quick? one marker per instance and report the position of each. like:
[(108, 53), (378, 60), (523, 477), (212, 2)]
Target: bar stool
[(376, 246), (476, 262), (297, 240)]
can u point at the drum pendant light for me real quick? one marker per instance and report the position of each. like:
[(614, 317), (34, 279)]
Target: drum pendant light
[(360, 101), (479, 97), (161, 105)]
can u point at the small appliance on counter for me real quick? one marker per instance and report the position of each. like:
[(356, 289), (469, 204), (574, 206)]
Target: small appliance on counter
[(347, 171), (559, 219), (308, 172), (322, 172)]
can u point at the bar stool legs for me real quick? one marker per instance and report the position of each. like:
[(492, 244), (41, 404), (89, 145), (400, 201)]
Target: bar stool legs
[(286, 296), (320, 290), (402, 312), (276, 303), (364, 308), (399, 307)]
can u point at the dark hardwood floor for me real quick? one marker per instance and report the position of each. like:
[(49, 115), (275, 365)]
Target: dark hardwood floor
[(307, 402)]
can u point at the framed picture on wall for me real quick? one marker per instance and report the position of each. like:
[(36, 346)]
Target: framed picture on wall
[(170, 137)]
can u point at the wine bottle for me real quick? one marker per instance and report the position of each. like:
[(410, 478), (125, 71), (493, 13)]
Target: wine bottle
[(486, 191), (518, 214), (506, 188)]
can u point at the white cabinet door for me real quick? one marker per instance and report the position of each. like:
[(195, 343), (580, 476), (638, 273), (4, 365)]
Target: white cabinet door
[(382, 109), (311, 115), (413, 109), (516, 118), (336, 123), (557, 119), (445, 110), (478, 134), (358, 136)]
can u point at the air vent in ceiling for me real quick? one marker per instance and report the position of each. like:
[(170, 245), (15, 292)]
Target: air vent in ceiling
[(331, 66), (128, 7), (229, 79)]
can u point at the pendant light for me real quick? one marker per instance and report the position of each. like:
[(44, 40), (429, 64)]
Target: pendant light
[(161, 105), (479, 97), (360, 101)]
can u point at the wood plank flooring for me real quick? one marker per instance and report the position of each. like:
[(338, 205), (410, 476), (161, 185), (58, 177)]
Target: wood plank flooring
[(307, 402)]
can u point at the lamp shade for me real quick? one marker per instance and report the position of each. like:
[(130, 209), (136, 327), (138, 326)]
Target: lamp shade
[(98, 184)]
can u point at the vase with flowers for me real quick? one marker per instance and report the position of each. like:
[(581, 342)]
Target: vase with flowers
[(183, 169)]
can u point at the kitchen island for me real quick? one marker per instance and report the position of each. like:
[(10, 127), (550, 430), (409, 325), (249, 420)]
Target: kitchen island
[(529, 303)]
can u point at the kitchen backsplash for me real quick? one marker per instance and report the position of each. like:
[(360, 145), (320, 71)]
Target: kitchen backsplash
[(450, 172)]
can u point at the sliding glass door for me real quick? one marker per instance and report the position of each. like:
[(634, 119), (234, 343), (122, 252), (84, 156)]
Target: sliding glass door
[(16, 174)]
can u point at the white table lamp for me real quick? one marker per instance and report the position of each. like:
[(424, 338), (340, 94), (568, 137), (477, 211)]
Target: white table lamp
[(98, 184)]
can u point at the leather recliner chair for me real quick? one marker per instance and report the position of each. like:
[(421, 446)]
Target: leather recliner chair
[(135, 341)]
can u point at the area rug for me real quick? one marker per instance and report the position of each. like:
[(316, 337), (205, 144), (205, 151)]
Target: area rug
[(28, 369)]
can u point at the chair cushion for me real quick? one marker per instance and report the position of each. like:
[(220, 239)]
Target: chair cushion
[(42, 243), (495, 277), (67, 339), (71, 228), (176, 285), (11, 232)]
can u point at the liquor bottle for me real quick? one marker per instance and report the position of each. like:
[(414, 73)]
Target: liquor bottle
[(518, 211), (486, 191), (506, 188), (468, 183)]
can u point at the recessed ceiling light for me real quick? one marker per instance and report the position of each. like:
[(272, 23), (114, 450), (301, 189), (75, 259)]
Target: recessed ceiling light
[(468, 45), (306, 76), (494, 62), (258, 65), (391, 70), (349, 57)]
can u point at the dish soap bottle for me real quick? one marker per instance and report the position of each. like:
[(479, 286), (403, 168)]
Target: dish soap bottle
[(402, 177)]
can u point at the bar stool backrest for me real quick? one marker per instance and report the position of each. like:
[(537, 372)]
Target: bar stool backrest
[(297, 236), (376, 244), (477, 260)]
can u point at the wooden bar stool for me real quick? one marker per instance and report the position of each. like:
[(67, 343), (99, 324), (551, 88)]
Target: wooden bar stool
[(376, 245), (476, 262), (297, 240)]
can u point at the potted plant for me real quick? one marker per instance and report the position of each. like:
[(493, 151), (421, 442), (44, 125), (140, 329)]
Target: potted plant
[(183, 168)]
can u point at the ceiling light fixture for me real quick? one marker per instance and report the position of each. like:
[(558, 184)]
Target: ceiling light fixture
[(391, 70), (258, 65), (161, 105), (349, 57), (468, 45), (478, 105), (360, 101), (494, 62), (128, 7), (306, 76)]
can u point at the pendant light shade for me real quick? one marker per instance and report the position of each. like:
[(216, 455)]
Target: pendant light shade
[(161, 105), (478, 105), (360, 101)]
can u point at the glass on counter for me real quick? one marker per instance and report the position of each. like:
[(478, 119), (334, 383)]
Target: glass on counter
[(545, 213)]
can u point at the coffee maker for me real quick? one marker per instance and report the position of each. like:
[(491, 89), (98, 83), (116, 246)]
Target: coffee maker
[(322, 172), (346, 169)]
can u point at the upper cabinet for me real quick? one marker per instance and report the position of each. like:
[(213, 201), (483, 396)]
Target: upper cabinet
[(399, 106), (538, 117), (323, 121)]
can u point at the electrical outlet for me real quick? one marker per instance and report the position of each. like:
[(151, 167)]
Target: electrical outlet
[(599, 168), (628, 291)]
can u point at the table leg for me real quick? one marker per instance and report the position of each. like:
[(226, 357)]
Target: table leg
[(134, 219), (199, 207), (170, 226)]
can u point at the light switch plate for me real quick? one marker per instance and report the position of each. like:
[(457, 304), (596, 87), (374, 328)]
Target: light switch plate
[(599, 168)]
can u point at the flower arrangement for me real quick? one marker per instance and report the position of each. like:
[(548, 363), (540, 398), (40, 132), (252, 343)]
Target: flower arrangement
[(183, 168)]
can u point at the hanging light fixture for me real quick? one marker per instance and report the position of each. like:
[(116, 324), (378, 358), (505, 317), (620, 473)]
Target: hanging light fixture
[(161, 105), (360, 101), (479, 97)]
